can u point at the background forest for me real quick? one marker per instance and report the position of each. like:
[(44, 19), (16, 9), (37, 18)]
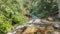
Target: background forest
[(12, 11)]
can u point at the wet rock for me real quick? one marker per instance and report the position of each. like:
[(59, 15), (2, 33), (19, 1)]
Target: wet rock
[(30, 30), (43, 31), (50, 19), (44, 21), (18, 31), (50, 28), (57, 26)]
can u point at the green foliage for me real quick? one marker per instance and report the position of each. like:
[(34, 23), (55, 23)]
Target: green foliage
[(45, 8), (10, 14), (42, 8), (11, 10), (5, 25)]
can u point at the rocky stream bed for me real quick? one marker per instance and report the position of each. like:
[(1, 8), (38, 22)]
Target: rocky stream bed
[(37, 26)]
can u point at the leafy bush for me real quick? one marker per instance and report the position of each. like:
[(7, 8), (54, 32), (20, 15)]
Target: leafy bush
[(10, 14), (5, 25), (11, 10)]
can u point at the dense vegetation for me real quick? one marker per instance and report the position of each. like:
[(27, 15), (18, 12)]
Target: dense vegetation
[(10, 14), (42, 8), (13, 11)]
